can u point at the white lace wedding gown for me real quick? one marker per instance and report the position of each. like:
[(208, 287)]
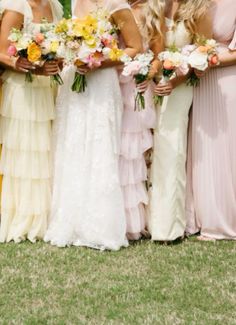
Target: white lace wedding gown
[(87, 206)]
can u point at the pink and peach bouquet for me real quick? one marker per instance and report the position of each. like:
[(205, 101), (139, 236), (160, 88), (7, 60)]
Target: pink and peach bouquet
[(138, 68), (201, 55), (88, 42), (174, 63)]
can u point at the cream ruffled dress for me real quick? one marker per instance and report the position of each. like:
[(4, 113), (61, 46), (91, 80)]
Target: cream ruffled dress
[(26, 113)]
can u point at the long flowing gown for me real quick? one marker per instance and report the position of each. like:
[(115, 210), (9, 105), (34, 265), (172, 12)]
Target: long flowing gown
[(211, 200), (87, 205), (26, 113), (136, 139), (167, 219)]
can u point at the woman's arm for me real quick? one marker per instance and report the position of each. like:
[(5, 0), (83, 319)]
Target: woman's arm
[(124, 19), (227, 58)]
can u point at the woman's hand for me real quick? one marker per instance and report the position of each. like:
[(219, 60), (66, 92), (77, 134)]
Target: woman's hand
[(164, 89), (50, 68), (200, 73), (23, 65), (83, 70), (142, 87)]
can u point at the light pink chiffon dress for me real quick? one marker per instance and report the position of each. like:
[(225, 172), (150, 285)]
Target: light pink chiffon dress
[(211, 197), (136, 139)]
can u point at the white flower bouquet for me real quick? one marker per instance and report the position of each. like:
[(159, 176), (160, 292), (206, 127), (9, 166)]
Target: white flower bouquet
[(138, 68)]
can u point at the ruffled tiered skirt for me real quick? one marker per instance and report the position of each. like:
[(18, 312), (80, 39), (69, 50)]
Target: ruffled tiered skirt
[(26, 114), (136, 139)]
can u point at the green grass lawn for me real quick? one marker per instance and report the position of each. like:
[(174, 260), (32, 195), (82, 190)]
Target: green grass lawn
[(147, 283)]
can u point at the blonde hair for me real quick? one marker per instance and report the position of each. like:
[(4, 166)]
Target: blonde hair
[(191, 11), (153, 18)]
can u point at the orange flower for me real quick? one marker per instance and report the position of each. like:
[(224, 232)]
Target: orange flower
[(34, 52), (203, 49), (214, 59), (167, 65), (78, 63)]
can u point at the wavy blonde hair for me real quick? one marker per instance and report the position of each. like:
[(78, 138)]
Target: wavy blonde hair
[(153, 18), (191, 11)]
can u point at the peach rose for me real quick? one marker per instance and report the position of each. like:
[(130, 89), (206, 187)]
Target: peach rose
[(167, 65), (39, 38)]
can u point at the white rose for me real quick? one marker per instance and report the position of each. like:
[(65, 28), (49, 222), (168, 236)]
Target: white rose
[(198, 61), (211, 43)]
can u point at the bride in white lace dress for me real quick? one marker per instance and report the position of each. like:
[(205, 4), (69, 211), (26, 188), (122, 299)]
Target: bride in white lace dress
[(87, 207)]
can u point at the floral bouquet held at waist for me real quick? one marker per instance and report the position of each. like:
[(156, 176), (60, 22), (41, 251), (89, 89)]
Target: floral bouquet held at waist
[(37, 47), (87, 43)]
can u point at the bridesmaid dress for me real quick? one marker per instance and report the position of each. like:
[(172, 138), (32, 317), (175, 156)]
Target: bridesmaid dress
[(167, 220), (26, 113), (136, 139), (211, 199)]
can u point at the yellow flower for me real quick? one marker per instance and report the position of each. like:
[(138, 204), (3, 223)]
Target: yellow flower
[(90, 40), (34, 52), (54, 46), (62, 27), (79, 28), (115, 54), (91, 23)]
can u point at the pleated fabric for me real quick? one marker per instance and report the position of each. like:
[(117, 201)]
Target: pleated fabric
[(211, 195), (211, 201), (26, 114), (136, 139)]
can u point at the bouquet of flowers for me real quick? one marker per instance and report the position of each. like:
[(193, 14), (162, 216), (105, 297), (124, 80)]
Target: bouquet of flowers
[(173, 62), (88, 41), (37, 47), (138, 68), (201, 55)]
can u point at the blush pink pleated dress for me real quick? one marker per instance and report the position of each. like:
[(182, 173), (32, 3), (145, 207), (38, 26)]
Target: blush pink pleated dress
[(211, 197)]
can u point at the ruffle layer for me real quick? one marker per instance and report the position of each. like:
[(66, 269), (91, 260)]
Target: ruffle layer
[(136, 222), (25, 164), (27, 101), (25, 135), (25, 197), (133, 145), (132, 171), (15, 227), (134, 195)]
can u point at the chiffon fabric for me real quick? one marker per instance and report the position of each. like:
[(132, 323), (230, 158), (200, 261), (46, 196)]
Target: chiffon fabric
[(27, 110), (167, 219), (136, 139), (211, 200), (87, 204)]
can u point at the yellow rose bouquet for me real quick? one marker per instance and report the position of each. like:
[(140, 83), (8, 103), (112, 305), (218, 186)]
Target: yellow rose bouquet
[(88, 42), (37, 47)]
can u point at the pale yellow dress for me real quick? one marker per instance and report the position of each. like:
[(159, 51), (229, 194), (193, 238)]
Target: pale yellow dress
[(26, 114), (167, 219)]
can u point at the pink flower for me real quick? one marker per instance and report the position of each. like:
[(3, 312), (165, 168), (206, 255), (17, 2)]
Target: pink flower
[(132, 68), (12, 51), (107, 40), (94, 60), (39, 38)]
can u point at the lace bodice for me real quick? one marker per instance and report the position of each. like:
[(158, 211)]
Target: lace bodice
[(109, 5), (177, 34)]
